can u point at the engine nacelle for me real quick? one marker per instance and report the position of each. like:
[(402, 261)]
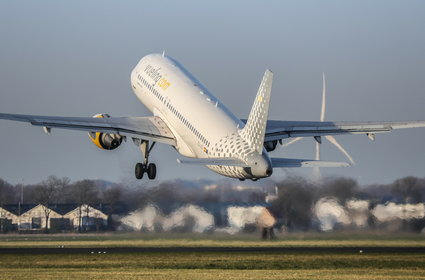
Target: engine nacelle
[(105, 141), (270, 145)]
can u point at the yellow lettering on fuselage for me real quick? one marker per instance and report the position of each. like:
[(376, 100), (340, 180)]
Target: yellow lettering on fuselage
[(163, 83)]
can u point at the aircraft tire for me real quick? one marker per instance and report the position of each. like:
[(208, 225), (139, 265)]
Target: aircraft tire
[(139, 170), (151, 170)]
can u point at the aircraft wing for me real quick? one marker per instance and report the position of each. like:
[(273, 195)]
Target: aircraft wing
[(146, 128), (277, 130), (295, 162)]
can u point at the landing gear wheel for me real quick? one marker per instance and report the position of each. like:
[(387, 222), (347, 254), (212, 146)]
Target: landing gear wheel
[(139, 170), (151, 170)]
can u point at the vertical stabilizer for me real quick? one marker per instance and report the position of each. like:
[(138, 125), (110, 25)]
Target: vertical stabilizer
[(255, 127)]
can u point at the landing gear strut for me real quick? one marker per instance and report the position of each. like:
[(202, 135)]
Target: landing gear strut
[(149, 168)]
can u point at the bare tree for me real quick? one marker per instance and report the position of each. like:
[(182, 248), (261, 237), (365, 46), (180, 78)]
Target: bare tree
[(84, 193), (6, 192), (341, 188), (294, 203), (409, 189), (62, 187), (111, 197), (47, 193), (6, 196)]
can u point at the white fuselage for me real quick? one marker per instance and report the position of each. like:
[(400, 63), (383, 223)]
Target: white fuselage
[(202, 125)]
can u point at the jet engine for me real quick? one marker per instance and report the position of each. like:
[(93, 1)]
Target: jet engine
[(105, 141), (270, 145)]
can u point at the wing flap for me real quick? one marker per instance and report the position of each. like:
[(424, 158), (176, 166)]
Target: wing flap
[(147, 128), (291, 162)]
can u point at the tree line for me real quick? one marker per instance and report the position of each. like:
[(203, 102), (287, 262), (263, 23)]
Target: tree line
[(296, 197), (293, 206)]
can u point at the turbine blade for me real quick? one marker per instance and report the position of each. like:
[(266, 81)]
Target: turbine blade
[(316, 170), (317, 174), (292, 141), (333, 141), (322, 112), (317, 151)]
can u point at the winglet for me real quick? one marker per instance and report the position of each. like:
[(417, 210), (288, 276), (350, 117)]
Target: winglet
[(255, 127)]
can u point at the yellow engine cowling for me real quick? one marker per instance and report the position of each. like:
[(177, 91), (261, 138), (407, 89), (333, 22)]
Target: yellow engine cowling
[(105, 141)]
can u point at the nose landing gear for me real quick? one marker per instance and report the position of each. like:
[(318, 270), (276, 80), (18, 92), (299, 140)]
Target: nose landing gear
[(149, 168)]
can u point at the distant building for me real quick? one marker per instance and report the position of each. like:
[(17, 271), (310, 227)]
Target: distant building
[(87, 218), (61, 217), (7, 220), (36, 218)]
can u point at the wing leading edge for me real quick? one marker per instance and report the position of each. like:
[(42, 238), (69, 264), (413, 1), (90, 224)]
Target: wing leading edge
[(146, 128)]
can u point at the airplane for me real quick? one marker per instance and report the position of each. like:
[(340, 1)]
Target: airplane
[(187, 116)]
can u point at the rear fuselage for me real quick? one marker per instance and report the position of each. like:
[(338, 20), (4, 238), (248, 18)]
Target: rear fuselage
[(202, 125)]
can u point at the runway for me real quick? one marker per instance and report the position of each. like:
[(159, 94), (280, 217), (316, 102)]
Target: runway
[(125, 250)]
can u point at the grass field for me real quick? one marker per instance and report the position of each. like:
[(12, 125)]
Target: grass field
[(211, 265)]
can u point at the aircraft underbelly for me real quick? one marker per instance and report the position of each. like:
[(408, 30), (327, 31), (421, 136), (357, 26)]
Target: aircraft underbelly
[(230, 171)]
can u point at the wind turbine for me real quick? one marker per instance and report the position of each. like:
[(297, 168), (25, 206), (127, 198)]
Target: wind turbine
[(318, 139)]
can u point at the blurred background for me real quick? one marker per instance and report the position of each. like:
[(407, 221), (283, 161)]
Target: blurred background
[(74, 59), (278, 208)]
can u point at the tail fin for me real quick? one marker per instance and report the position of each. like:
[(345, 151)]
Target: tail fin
[(255, 127)]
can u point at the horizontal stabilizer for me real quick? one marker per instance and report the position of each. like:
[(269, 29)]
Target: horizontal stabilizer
[(291, 162), (213, 161)]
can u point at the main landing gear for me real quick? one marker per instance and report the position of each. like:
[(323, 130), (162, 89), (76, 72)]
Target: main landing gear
[(149, 168), (141, 168)]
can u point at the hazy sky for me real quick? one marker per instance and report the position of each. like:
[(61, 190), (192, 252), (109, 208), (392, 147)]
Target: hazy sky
[(74, 58)]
